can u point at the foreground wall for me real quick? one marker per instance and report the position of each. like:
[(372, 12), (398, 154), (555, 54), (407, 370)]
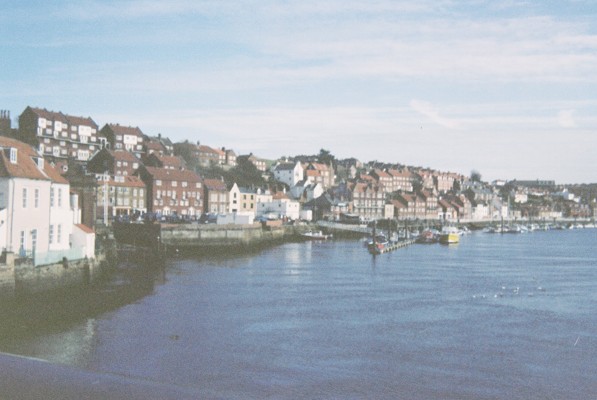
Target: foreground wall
[(21, 278)]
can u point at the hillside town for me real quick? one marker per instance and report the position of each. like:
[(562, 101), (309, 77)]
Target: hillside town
[(64, 175)]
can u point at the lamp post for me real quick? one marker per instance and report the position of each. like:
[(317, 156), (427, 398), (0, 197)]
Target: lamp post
[(106, 198)]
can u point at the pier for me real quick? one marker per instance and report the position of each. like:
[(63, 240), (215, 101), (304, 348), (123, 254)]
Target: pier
[(392, 247)]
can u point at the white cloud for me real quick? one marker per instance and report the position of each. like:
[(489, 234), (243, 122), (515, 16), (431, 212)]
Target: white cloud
[(566, 119), (427, 109)]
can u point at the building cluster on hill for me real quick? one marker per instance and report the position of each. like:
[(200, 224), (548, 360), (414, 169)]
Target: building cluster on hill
[(55, 161)]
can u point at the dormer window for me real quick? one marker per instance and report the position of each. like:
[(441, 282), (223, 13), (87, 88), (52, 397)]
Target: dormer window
[(13, 155), (40, 162)]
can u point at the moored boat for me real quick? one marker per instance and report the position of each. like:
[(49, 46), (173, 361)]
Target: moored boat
[(449, 235), (428, 237), (315, 235), (377, 244)]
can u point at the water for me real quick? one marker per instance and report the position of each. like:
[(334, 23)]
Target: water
[(495, 317)]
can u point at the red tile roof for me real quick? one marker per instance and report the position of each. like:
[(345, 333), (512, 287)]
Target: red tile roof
[(85, 228), (215, 184), (26, 166), (166, 174), (171, 161), (59, 116), (125, 130), (123, 155), (381, 173)]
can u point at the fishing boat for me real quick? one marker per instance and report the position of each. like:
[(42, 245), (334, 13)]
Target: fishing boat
[(315, 235), (428, 237), (377, 244), (449, 235)]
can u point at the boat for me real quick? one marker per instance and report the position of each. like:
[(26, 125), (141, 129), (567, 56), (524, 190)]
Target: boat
[(428, 237), (377, 244), (449, 235), (315, 235)]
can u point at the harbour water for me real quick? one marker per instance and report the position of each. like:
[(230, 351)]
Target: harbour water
[(494, 317)]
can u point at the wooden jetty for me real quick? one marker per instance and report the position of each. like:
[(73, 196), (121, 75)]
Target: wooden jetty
[(391, 247)]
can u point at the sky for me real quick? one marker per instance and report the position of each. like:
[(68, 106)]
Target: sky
[(506, 88)]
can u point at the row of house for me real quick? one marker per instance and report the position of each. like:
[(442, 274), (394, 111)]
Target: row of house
[(39, 216)]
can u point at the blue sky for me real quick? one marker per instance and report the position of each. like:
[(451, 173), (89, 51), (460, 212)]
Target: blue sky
[(508, 88)]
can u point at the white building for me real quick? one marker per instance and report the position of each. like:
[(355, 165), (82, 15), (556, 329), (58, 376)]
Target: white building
[(280, 206), (289, 173), (38, 220)]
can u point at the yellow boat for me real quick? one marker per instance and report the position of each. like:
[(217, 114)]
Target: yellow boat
[(449, 235)]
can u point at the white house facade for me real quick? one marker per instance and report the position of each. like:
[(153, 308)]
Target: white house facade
[(38, 221), (289, 173)]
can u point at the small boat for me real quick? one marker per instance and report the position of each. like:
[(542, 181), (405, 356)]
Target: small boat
[(428, 237), (377, 244), (315, 235), (449, 235)]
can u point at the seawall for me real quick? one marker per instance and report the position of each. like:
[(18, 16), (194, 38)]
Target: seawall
[(197, 238), (21, 278)]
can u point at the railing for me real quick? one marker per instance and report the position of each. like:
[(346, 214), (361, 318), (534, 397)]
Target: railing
[(56, 256)]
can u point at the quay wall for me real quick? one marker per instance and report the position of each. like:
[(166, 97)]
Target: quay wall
[(164, 238), (207, 237), (7, 276), (30, 279), (19, 278)]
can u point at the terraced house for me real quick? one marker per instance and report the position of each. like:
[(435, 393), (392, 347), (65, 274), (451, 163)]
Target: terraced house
[(59, 136), (120, 196), (124, 138), (171, 191), (114, 162), (216, 196), (39, 220), (368, 199)]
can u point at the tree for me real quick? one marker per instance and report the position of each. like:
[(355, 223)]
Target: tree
[(475, 176), (326, 157)]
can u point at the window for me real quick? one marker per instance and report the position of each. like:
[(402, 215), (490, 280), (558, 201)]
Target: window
[(24, 197), (158, 182), (184, 184), (59, 234), (22, 245), (13, 155), (174, 183), (51, 235), (51, 197), (59, 198), (36, 198), (33, 239)]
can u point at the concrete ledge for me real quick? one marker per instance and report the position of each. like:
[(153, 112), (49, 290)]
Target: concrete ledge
[(27, 378)]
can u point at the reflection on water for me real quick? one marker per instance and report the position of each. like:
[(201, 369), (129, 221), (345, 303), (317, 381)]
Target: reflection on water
[(61, 326), (495, 317)]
